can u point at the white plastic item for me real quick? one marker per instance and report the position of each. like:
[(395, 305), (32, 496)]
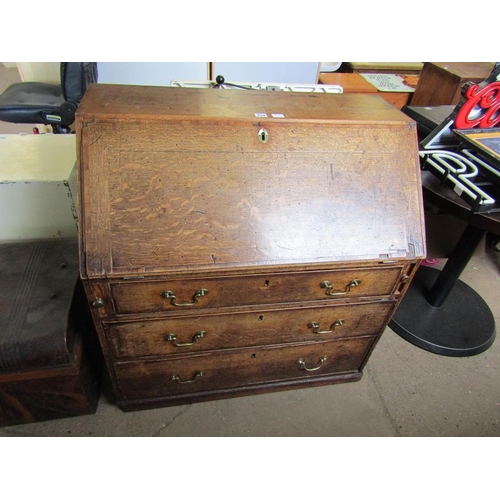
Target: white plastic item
[(37, 186)]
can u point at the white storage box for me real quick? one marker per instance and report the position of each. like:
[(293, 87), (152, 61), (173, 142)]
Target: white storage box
[(37, 176)]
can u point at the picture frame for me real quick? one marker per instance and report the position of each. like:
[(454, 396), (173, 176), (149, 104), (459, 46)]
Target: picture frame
[(485, 142)]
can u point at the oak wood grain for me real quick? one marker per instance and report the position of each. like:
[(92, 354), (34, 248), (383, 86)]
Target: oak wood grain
[(242, 367), (146, 297), (244, 329), (184, 194)]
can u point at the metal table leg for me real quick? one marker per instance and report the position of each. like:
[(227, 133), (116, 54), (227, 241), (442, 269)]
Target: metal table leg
[(442, 314)]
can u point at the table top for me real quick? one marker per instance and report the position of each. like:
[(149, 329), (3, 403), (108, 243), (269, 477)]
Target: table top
[(445, 199), (466, 70), (132, 103), (386, 66), (350, 82)]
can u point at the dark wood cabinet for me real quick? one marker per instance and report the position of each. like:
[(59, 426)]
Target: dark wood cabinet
[(50, 361), (234, 242)]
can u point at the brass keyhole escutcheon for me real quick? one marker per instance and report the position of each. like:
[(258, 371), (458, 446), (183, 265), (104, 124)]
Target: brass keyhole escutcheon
[(263, 135)]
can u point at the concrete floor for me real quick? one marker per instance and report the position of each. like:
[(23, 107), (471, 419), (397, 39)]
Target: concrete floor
[(405, 391)]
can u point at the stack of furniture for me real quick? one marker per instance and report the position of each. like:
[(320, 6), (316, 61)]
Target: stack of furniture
[(354, 83), (461, 178), (350, 77), (50, 362)]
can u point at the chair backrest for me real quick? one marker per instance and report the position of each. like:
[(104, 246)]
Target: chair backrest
[(75, 78)]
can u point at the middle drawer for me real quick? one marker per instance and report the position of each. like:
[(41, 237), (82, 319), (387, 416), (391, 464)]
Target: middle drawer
[(178, 335)]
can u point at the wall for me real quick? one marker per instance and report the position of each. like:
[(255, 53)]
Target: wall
[(150, 73), (162, 73), (267, 72), (47, 72)]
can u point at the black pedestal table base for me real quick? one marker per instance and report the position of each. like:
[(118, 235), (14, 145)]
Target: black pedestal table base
[(462, 326)]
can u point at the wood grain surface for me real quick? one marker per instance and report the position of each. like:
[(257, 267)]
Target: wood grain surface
[(244, 329), (243, 367), (162, 196)]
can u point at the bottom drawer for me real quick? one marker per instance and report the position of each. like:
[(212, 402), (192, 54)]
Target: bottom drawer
[(218, 370)]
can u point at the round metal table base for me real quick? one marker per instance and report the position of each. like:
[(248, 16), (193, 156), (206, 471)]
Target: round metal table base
[(462, 326)]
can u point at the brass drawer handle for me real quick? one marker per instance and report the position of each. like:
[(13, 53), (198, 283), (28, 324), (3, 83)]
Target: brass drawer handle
[(167, 294), (171, 337), (302, 363), (176, 378), (315, 326), (330, 291)]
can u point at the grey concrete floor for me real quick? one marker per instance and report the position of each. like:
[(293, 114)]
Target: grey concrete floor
[(405, 391)]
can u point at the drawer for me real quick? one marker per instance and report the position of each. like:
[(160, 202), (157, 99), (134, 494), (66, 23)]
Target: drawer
[(201, 293), (219, 370), (181, 335)]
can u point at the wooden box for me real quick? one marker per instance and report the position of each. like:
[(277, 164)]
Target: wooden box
[(234, 242), (50, 364), (440, 83)]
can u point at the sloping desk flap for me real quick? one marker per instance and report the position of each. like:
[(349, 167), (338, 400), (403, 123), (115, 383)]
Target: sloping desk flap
[(204, 179)]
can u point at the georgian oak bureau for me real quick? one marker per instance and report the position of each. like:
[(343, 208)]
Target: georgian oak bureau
[(234, 242)]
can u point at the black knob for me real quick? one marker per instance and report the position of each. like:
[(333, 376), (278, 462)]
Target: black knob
[(97, 303), (219, 79)]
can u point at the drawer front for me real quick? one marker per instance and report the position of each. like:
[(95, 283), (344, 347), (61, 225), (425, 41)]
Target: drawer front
[(201, 293), (223, 331), (220, 370)]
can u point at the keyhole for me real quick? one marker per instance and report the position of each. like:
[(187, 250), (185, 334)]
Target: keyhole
[(263, 135)]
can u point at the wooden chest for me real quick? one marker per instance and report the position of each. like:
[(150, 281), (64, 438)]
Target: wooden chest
[(50, 365), (234, 242)]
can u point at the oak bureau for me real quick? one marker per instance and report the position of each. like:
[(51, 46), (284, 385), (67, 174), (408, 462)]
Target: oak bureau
[(234, 242)]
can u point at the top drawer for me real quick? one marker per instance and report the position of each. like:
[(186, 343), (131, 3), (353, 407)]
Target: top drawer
[(199, 293)]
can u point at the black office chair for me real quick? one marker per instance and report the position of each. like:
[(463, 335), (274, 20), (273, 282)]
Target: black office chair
[(47, 103)]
